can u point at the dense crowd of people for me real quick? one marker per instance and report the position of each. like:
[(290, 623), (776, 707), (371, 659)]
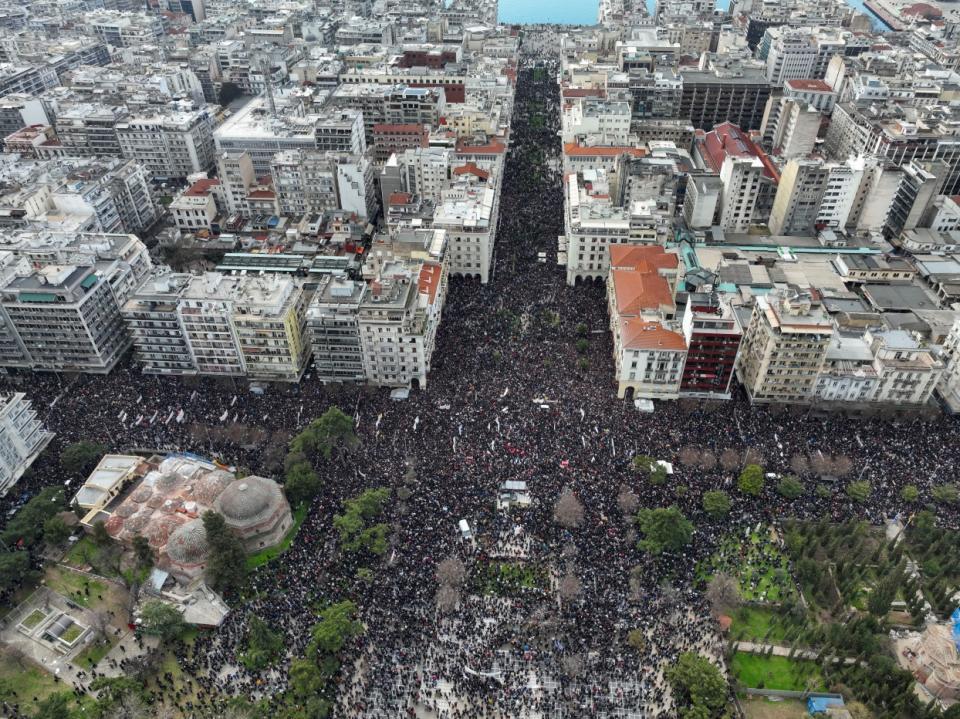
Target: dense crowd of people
[(509, 397)]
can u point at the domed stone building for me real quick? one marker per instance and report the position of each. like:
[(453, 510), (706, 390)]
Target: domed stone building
[(187, 550), (256, 511)]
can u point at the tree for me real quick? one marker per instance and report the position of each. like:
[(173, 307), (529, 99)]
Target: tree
[(945, 493), (658, 475), (447, 598), (356, 533), (13, 570), (80, 457), (301, 483), (689, 456), (568, 511), (882, 596), (99, 534), (716, 503), (26, 526), (451, 572), (227, 561), (699, 687), (751, 480), (859, 491), (264, 645), (55, 706), (336, 627), (664, 529), (324, 434), (909, 493), (789, 487), (142, 551), (729, 459), (642, 464), (637, 639), (723, 593), (162, 620), (708, 460), (55, 531), (627, 500)]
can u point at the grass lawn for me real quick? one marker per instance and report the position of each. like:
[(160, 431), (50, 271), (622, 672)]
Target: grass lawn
[(264, 556), (34, 618), (757, 562), (76, 587), (72, 633), (94, 652), (756, 671), (21, 683), (758, 624), (75, 556)]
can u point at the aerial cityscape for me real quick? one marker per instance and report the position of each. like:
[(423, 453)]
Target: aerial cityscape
[(401, 359)]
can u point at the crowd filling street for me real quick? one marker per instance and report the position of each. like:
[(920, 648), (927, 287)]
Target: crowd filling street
[(509, 398)]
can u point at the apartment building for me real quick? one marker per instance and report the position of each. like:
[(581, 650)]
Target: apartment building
[(468, 211), (784, 348), (90, 128), (236, 174), (711, 97), (171, 145), (712, 334), (66, 317), (26, 79), (220, 325), (22, 438), (796, 206), (648, 348), (603, 122)]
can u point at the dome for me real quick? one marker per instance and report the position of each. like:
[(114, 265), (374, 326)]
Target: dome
[(142, 494), (249, 500), (208, 487), (160, 528), (188, 544)]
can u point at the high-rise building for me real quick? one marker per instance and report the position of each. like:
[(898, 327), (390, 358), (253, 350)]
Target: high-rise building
[(22, 438)]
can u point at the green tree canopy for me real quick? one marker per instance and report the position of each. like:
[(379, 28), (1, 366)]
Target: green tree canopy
[(301, 483), (264, 645), (325, 434), (142, 550), (26, 526), (663, 529), (716, 503), (859, 491), (909, 493), (945, 493), (789, 487), (356, 532), (336, 627), (226, 563), (55, 706), (699, 686), (751, 480), (80, 457), (162, 620), (14, 567), (55, 531)]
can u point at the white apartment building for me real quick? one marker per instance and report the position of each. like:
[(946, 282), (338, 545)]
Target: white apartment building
[(305, 181), (840, 194), (170, 145), (701, 201), (783, 348), (797, 202), (237, 176), (220, 325), (469, 214), (196, 207), (741, 178), (792, 54), (22, 438), (605, 122), (848, 373), (948, 387), (908, 371), (66, 318)]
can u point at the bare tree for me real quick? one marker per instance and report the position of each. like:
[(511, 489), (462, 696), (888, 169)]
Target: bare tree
[(569, 550), (730, 459), (131, 707), (636, 580), (723, 593), (669, 595), (708, 460), (799, 464), (572, 665), (627, 500), (689, 456), (752, 456), (570, 587), (842, 465), (451, 572), (568, 511), (16, 655), (100, 622), (820, 463), (447, 599)]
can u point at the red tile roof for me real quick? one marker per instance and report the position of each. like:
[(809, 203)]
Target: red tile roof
[(261, 195), (494, 147), (429, 280), (644, 258), (809, 85), (201, 187), (638, 291), (584, 92), (637, 334), (727, 140), (471, 169), (399, 198)]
